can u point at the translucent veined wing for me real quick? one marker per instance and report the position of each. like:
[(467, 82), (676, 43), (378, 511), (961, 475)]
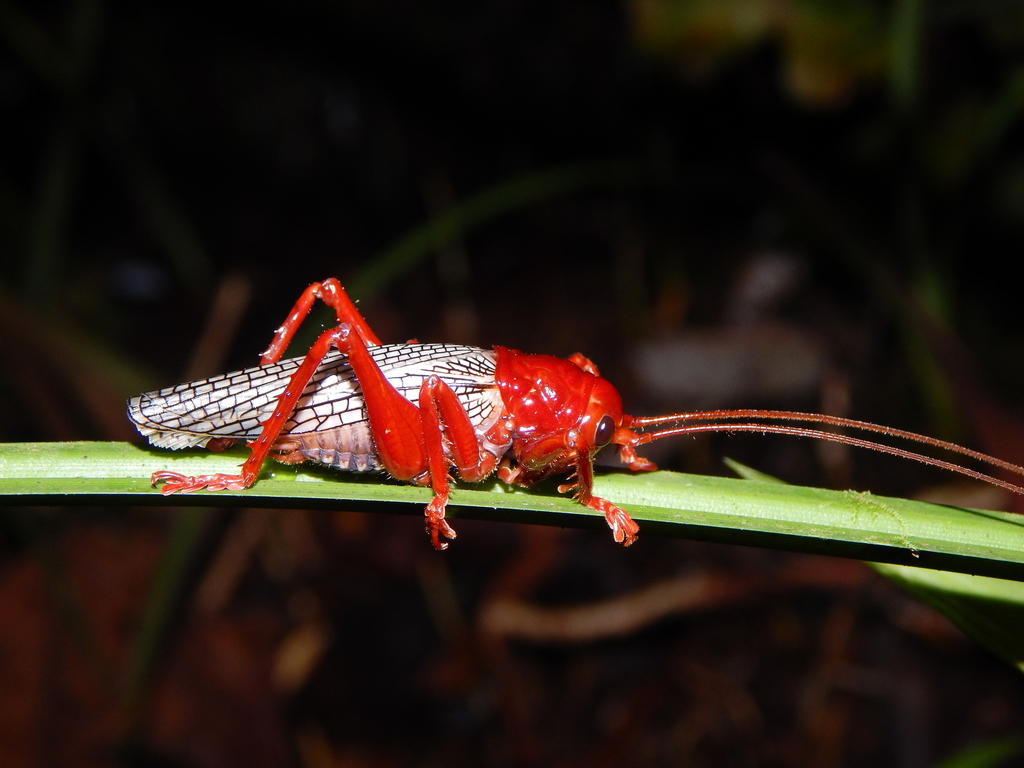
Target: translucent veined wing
[(233, 405)]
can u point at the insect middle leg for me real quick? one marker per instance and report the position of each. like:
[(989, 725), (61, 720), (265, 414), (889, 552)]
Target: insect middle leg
[(444, 419)]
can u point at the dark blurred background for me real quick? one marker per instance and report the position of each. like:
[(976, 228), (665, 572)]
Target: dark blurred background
[(807, 204)]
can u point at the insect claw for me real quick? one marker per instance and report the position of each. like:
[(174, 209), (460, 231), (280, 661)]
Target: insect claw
[(175, 482), (435, 538), (624, 529), (437, 526)]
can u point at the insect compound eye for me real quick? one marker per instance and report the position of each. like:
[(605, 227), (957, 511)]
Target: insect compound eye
[(604, 432)]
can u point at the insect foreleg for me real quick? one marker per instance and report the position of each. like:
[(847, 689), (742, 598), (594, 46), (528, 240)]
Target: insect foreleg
[(624, 528), (333, 295)]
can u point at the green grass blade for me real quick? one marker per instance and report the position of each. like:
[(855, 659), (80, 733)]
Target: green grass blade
[(492, 202), (989, 610), (163, 603), (845, 524), (441, 229), (987, 755)]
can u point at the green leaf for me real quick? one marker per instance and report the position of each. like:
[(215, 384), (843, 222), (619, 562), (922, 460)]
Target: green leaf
[(987, 755), (989, 610), (749, 473), (845, 524)]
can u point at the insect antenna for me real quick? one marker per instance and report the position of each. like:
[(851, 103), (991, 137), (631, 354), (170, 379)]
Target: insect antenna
[(722, 421)]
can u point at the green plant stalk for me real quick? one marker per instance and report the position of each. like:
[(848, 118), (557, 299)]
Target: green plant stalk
[(990, 610), (747, 512), (907, 29), (511, 195), (166, 591), (988, 754), (445, 227)]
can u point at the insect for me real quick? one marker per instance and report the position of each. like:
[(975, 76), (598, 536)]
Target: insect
[(419, 411)]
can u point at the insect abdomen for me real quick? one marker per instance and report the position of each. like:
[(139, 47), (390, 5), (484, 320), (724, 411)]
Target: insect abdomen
[(348, 448)]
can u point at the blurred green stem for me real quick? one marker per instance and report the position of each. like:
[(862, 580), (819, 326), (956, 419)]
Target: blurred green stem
[(449, 225), (52, 211), (162, 606), (442, 229), (905, 36)]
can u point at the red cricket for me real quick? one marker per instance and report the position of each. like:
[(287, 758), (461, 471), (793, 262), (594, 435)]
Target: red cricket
[(417, 410)]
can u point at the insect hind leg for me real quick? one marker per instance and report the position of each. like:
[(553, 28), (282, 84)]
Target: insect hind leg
[(331, 292), (175, 482)]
